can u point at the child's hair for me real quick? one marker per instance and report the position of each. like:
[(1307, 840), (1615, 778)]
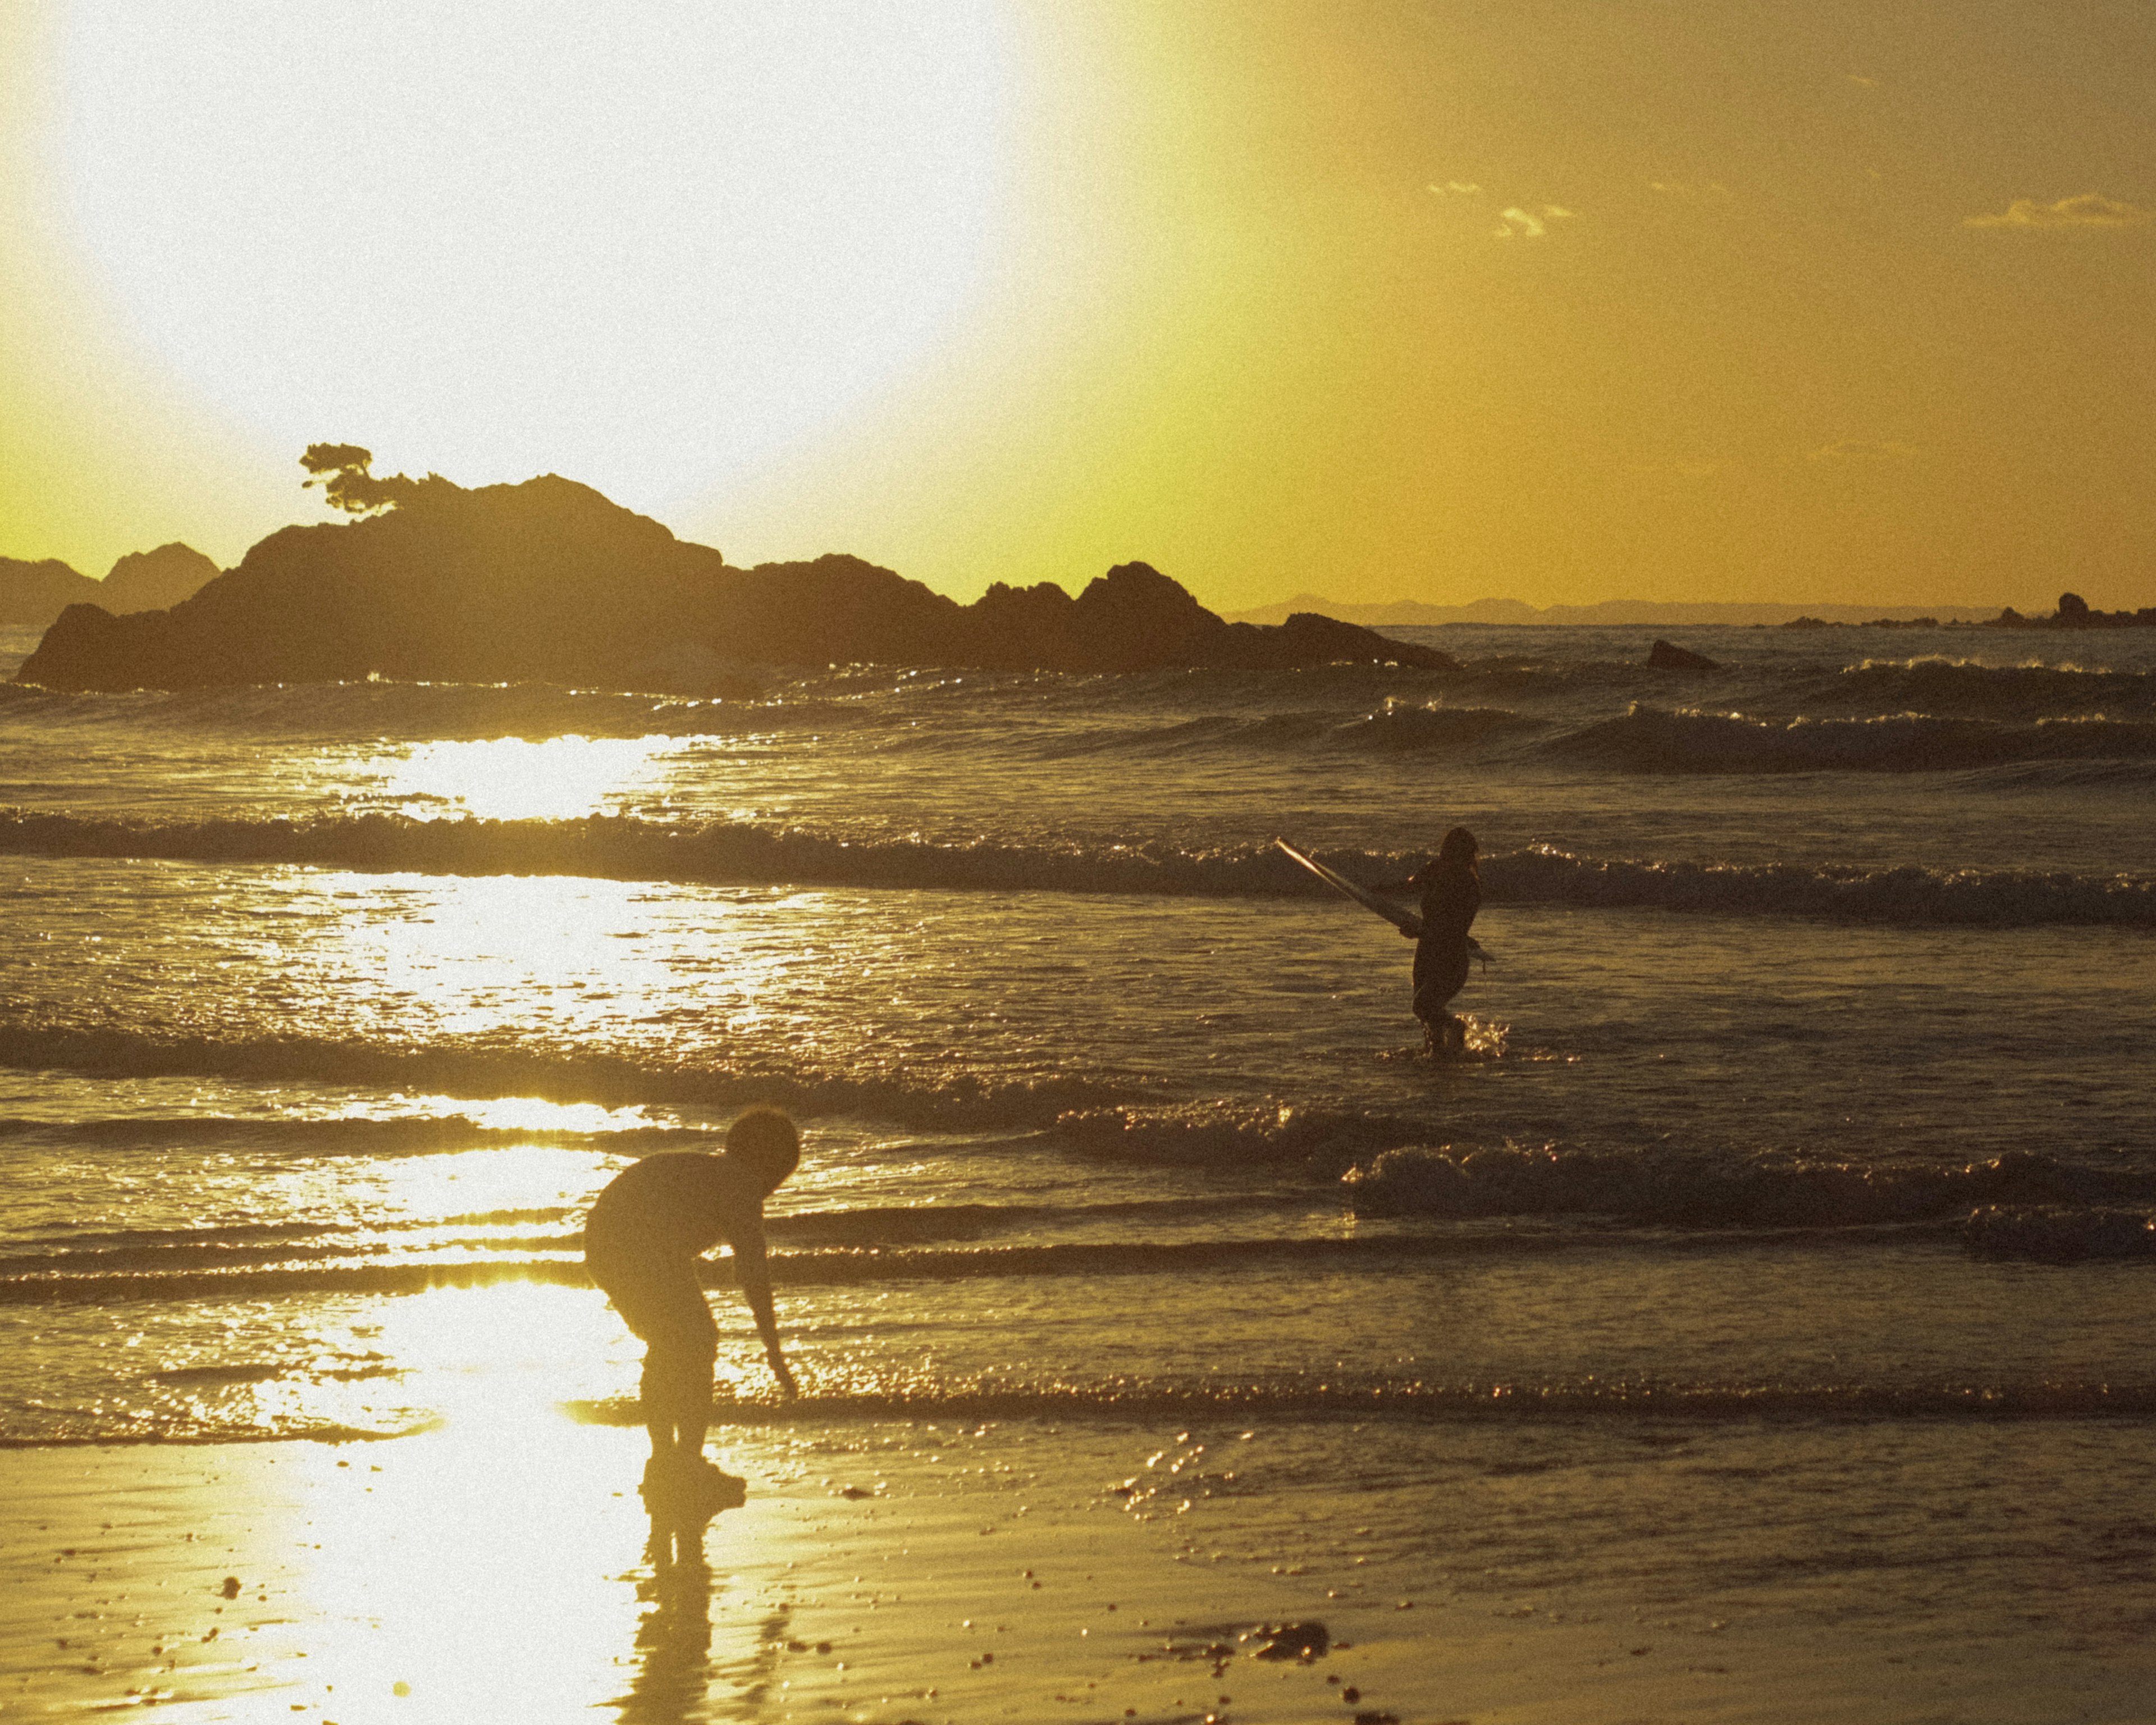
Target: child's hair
[(765, 1140)]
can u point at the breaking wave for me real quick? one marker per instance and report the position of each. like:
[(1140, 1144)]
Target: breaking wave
[(1542, 874), (717, 852), (291, 1276), (1082, 1116), (2029, 1207), (1964, 689), (955, 1101), (1691, 1191), (1649, 739)]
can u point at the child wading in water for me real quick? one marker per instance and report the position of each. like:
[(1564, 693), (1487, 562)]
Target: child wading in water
[(1450, 889), (642, 1241)]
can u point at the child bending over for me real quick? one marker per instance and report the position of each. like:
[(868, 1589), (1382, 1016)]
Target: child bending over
[(642, 1241)]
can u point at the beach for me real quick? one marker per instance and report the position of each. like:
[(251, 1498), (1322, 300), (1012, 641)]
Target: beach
[(886, 1573), (1416, 744), (1748, 1324)]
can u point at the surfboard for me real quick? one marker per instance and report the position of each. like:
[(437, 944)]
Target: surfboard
[(1392, 910)]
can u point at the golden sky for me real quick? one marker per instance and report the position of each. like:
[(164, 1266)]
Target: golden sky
[(1834, 302)]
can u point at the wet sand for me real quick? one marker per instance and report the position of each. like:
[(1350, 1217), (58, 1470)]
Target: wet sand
[(874, 1575)]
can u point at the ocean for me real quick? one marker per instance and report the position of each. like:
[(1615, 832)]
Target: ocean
[(1782, 1248)]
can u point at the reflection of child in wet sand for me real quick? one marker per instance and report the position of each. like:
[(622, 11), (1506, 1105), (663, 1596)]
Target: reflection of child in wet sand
[(1451, 887), (642, 1242)]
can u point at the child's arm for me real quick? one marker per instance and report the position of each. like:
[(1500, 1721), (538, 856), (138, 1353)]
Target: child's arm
[(754, 1274)]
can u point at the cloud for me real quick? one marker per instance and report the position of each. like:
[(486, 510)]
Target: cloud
[(2088, 210), (1516, 224), (1859, 78), (1685, 189), (1853, 448), (1458, 189)]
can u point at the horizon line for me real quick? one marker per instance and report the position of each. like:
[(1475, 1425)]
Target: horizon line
[(1366, 611)]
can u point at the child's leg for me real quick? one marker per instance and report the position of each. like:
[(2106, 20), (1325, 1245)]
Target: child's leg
[(677, 1390), (663, 1303), (1438, 978), (677, 1366)]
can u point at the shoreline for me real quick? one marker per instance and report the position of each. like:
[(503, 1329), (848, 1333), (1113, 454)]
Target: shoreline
[(894, 1572), (516, 1575)]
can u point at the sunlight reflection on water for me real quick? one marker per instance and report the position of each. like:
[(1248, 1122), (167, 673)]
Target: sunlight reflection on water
[(576, 953), (510, 778), (522, 1114)]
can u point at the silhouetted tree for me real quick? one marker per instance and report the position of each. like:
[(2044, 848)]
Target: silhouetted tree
[(342, 470)]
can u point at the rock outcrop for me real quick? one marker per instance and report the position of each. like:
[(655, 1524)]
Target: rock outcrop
[(2074, 613), (550, 581), (36, 593), (1667, 655), (155, 580)]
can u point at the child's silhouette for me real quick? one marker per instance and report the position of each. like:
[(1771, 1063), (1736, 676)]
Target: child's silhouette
[(1450, 889), (643, 1240)]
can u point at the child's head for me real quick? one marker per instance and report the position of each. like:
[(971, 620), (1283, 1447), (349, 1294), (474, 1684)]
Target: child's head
[(763, 1140)]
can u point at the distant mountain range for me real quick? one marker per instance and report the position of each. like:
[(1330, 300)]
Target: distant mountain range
[(34, 594), (1650, 613)]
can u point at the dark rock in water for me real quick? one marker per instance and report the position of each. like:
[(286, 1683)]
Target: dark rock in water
[(549, 581), (546, 580), (1665, 655)]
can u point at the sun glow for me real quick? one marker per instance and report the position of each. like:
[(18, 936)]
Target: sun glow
[(646, 246)]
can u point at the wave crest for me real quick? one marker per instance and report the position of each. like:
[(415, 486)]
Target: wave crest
[(1691, 1191), (1649, 739), (1542, 874), (734, 853), (1963, 688)]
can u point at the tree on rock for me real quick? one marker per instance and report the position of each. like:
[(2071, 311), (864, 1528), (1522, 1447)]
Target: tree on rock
[(342, 470)]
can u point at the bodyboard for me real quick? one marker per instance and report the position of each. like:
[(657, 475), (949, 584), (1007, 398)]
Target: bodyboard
[(1394, 912)]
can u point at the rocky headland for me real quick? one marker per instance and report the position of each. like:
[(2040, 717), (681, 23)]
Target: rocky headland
[(550, 581), (2073, 613), (36, 593)]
